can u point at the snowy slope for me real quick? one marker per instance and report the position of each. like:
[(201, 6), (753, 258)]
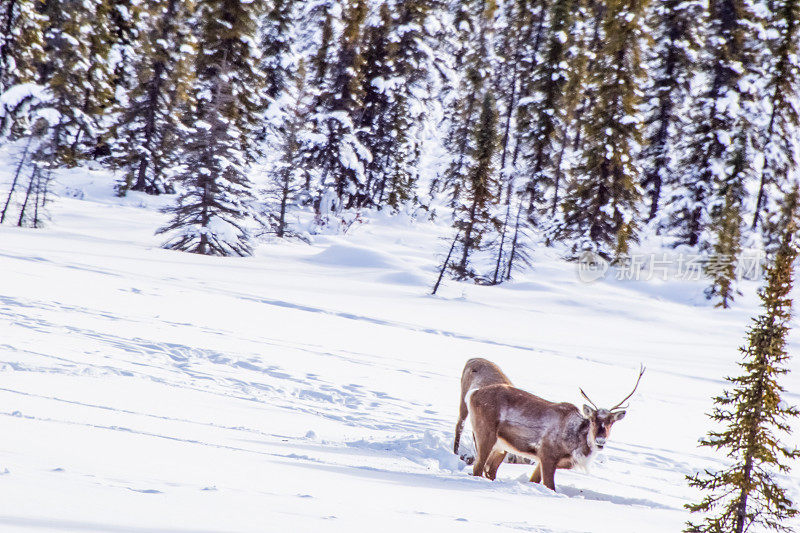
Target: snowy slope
[(315, 387)]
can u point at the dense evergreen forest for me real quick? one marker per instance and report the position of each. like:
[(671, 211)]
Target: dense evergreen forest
[(583, 122)]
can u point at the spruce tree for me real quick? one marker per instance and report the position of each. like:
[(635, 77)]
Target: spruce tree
[(376, 120), (577, 94), (98, 92), (513, 32), (125, 24), (411, 60), (589, 34), (472, 31), (475, 221), (77, 75), (394, 80), (730, 186), (21, 50), (601, 207), (506, 87), (521, 31), (20, 41), (469, 41), (333, 154), (323, 56), (671, 67), (721, 264), (720, 158), (780, 136), (745, 494), (717, 153), (146, 145), (285, 187), (777, 223), (545, 116), (213, 211), (276, 45)]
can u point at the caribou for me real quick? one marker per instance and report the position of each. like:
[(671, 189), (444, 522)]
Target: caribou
[(556, 435), (477, 373)]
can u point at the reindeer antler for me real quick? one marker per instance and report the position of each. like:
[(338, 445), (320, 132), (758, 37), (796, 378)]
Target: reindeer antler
[(619, 405), (587, 399)]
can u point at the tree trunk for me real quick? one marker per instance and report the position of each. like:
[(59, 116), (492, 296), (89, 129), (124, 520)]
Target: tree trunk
[(446, 261), (9, 23), (284, 198), (514, 241), (153, 93), (507, 127), (762, 183), (462, 265), (27, 196), (557, 182), (36, 201), (741, 505), (14, 181), (503, 234)]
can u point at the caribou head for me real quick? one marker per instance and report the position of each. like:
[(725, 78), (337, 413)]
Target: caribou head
[(601, 420)]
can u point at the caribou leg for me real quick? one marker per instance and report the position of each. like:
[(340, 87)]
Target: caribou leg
[(495, 460), (549, 473), (536, 477), (484, 444), (462, 416)]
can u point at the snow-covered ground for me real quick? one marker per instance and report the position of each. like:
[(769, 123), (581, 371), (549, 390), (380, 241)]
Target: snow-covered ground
[(315, 387)]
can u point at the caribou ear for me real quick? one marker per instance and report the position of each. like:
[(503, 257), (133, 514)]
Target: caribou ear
[(588, 412), (619, 415)]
